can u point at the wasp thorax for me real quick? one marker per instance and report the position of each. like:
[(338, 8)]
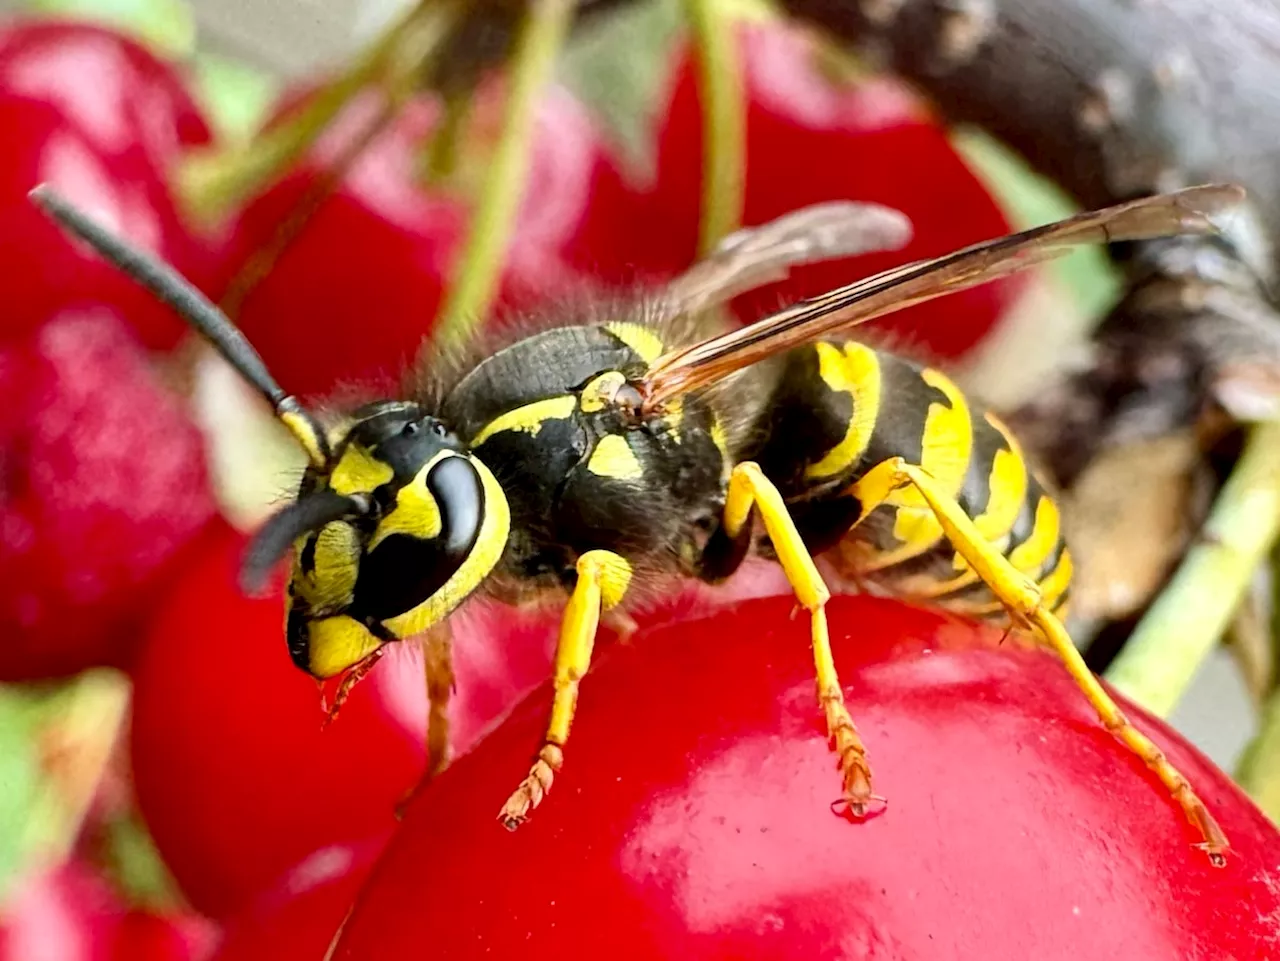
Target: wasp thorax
[(401, 528)]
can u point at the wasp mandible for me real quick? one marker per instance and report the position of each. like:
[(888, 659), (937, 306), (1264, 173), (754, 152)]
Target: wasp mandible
[(626, 443)]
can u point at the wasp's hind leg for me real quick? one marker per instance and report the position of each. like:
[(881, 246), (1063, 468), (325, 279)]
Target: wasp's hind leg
[(1023, 599), (603, 578), (750, 490)]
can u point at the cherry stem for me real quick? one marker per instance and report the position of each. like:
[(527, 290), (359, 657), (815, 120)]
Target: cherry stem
[(215, 182), (1188, 619), (444, 150), (724, 120), (1259, 769), (542, 32)]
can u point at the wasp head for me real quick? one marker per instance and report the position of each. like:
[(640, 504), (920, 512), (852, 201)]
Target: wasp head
[(399, 527)]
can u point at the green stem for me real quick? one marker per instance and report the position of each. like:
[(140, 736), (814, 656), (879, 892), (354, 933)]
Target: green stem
[(444, 150), (213, 183), (1259, 769), (1188, 619), (724, 120), (533, 61)]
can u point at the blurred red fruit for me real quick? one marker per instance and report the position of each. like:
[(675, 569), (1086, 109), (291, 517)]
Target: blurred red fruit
[(354, 295), (71, 914), (810, 138), (102, 486), (298, 917), (691, 820), (101, 119), (233, 773)]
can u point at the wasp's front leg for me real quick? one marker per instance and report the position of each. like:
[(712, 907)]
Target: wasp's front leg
[(603, 578), (751, 491)]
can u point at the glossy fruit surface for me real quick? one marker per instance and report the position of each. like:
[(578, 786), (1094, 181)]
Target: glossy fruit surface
[(813, 136), (102, 488), (350, 300), (693, 818), (70, 913), (297, 918), (102, 120)]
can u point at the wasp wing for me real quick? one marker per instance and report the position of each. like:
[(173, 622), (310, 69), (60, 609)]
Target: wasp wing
[(755, 256), (1189, 211)]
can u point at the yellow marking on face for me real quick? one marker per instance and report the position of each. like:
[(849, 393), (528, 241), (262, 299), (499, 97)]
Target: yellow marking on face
[(613, 457), (1058, 580), (599, 393), (304, 429), (855, 370), (528, 418), (359, 472), (490, 543), (1030, 555), (639, 338), (332, 581), (336, 643), (416, 512)]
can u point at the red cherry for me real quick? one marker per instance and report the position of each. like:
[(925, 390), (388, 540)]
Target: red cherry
[(102, 488), (69, 913), (111, 89), (234, 775), (296, 920), (812, 138), (101, 119), (353, 297), (64, 914), (692, 817)]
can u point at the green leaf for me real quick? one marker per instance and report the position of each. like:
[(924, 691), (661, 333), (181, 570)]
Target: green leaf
[(132, 861), (54, 745)]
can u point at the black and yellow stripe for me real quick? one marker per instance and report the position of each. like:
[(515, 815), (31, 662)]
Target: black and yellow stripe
[(841, 409)]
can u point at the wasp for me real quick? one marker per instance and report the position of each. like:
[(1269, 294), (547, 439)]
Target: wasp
[(621, 445)]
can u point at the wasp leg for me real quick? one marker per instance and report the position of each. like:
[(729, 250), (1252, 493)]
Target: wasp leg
[(1022, 598), (749, 488), (437, 653), (603, 577)]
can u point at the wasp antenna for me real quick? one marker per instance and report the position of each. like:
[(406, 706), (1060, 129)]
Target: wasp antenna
[(197, 310)]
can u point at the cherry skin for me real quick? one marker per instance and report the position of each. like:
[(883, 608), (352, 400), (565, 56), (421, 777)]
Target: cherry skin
[(693, 818), (297, 917), (103, 491), (812, 138), (70, 913), (351, 299), (102, 120)]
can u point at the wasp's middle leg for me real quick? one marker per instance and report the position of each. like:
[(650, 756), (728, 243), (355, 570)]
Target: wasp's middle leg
[(751, 490), (603, 578)]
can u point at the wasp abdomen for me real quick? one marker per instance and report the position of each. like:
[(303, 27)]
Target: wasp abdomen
[(839, 410)]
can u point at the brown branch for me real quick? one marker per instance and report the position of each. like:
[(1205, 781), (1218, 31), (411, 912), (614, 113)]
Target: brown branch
[(1109, 98)]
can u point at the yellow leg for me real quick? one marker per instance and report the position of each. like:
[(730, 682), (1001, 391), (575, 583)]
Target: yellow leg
[(603, 578), (1022, 598), (748, 488)]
